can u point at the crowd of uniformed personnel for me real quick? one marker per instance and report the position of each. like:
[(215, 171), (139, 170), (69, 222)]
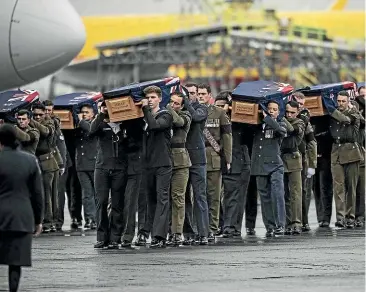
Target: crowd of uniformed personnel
[(191, 174)]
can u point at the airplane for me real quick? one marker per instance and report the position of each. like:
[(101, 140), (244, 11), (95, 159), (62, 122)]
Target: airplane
[(37, 38)]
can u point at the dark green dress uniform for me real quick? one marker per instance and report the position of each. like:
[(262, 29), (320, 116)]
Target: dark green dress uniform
[(308, 150), (48, 166), (360, 192), (218, 140), (236, 181), (28, 138), (292, 162), (181, 164), (345, 161)]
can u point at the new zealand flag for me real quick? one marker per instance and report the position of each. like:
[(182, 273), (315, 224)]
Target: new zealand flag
[(135, 90)]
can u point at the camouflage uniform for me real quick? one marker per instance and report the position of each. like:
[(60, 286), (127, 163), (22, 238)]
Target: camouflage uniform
[(217, 134)]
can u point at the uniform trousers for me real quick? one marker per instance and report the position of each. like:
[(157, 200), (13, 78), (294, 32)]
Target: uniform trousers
[(197, 179), (345, 179), (62, 199), (86, 179), (158, 192), (250, 206), (360, 195), (73, 189), (271, 192), (110, 228), (213, 189), (306, 195), (293, 198), (51, 201), (235, 192)]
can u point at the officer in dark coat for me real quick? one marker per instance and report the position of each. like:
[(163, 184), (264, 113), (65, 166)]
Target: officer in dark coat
[(236, 179), (110, 176), (195, 145), (85, 156), (21, 204), (267, 166)]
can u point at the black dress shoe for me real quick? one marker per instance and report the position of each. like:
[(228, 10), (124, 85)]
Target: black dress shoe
[(211, 237), (296, 231), (324, 224), (305, 228), (227, 234), (189, 241), (113, 245), (100, 244), (288, 231), (158, 243), (237, 233), (177, 239), (279, 231), (340, 224), (80, 223), (219, 232), (350, 224), (52, 229), (141, 240), (203, 240), (359, 223), (46, 230), (58, 229), (93, 225), (74, 224), (126, 244), (250, 231), (169, 242), (87, 224), (270, 233)]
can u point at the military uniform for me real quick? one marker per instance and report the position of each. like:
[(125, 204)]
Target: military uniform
[(134, 132), (267, 166), (28, 138), (218, 140), (195, 145), (236, 181), (360, 192), (292, 162), (345, 160), (181, 164), (49, 166), (308, 150), (85, 157)]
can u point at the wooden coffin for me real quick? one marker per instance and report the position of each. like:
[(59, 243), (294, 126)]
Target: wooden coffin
[(65, 116), (245, 112), (123, 108), (315, 106)]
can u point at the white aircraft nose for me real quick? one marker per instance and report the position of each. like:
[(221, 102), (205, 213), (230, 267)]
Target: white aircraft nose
[(45, 36)]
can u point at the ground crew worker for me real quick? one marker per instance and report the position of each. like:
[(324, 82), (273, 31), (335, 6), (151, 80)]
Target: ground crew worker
[(236, 179), (218, 141), (110, 177), (26, 135), (360, 192), (197, 173), (267, 166), (59, 150), (181, 163), (346, 157), (292, 163), (158, 166), (48, 164), (308, 149), (134, 132), (85, 156)]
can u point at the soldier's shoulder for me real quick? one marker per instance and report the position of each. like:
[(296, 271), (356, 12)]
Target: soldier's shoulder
[(185, 113), (299, 121)]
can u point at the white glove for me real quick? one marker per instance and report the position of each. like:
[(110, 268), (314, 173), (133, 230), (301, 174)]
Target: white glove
[(311, 172), (62, 171)]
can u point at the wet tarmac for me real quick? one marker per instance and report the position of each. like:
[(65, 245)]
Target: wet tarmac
[(321, 260)]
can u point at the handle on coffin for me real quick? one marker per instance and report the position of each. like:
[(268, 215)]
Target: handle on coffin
[(138, 103)]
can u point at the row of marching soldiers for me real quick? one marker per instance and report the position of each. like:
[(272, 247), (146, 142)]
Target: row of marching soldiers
[(190, 174)]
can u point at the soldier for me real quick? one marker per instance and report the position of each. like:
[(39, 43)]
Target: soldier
[(267, 166), (133, 145), (360, 192), (181, 163), (218, 141), (308, 149), (85, 156), (48, 163), (345, 158), (110, 176), (27, 136), (197, 172), (236, 179), (158, 166), (292, 163)]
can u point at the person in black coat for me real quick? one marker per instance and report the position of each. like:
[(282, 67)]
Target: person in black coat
[(21, 204)]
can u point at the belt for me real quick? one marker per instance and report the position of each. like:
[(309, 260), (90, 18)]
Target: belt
[(180, 145), (341, 141), (289, 151), (45, 157)]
